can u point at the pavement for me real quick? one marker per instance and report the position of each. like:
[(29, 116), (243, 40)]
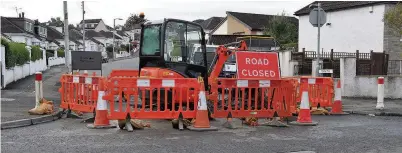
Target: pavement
[(367, 107), (19, 96), (333, 134)]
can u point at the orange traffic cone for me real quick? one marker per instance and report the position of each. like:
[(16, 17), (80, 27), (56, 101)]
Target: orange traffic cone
[(337, 105), (201, 119), (304, 117), (101, 120)]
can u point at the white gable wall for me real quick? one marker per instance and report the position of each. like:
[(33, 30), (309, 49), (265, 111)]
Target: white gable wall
[(350, 30), (222, 29), (101, 26)]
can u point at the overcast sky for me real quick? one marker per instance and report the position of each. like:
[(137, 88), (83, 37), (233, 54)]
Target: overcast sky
[(153, 9)]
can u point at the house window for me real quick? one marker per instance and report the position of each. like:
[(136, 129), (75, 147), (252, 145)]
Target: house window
[(28, 26)]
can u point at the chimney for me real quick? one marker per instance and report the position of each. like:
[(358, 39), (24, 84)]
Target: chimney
[(19, 15), (23, 15)]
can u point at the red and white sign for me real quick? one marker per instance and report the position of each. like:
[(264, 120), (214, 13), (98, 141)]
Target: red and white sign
[(257, 65)]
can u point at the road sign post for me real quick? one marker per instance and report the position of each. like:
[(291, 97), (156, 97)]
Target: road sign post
[(318, 18)]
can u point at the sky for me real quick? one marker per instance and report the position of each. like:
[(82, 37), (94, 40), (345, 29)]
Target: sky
[(107, 10)]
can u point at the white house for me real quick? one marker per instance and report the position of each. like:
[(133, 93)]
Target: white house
[(209, 24), (94, 24), (19, 30), (351, 26)]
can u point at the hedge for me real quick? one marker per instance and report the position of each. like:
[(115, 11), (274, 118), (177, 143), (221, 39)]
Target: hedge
[(60, 53), (16, 53), (20, 52), (10, 57), (36, 53)]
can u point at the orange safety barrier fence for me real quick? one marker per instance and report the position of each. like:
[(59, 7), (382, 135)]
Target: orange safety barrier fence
[(79, 92), (124, 73), (152, 98), (320, 89), (253, 98)]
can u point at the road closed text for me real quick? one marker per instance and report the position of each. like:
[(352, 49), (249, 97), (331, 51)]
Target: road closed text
[(257, 65), (259, 73)]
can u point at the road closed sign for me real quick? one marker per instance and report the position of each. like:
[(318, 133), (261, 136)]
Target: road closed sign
[(257, 65)]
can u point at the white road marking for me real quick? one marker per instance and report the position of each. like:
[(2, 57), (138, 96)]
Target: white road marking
[(7, 99)]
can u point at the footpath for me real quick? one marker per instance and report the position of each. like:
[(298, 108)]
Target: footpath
[(19, 97), (367, 107)]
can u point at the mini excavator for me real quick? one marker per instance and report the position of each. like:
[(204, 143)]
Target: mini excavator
[(166, 48)]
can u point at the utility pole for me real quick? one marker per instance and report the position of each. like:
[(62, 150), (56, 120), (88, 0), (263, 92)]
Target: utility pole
[(66, 38), (318, 41), (83, 26), (114, 27)]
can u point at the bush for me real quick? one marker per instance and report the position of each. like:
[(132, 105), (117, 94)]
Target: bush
[(36, 53), (289, 46), (60, 53), (20, 53), (10, 57)]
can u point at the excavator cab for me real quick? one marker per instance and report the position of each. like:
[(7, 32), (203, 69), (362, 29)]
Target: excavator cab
[(166, 49)]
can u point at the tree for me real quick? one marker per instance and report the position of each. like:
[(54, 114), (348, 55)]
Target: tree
[(393, 19), (133, 20), (56, 22), (71, 26), (283, 30)]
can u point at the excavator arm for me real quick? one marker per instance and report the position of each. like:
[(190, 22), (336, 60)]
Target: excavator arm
[(223, 52)]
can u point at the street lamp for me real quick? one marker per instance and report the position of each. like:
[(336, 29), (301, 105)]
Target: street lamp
[(114, 29)]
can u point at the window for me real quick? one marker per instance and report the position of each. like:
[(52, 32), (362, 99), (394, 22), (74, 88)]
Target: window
[(28, 26), (179, 41), (151, 42)]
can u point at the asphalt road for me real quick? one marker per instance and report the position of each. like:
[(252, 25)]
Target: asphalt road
[(334, 134), (130, 64)]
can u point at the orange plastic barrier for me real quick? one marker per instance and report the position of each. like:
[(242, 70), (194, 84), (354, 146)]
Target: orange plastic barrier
[(79, 92), (253, 98), (320, 89), (124, 73), (165, 98)]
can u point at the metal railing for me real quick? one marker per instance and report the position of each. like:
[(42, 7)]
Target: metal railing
[(395, 67)]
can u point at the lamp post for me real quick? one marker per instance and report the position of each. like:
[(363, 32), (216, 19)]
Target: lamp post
[(114, 29)]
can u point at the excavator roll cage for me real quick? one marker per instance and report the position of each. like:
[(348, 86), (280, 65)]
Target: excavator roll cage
[(167, 44)]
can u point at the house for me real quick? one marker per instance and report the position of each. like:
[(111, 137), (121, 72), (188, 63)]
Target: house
[(56, 35), (350, 26), (237, 23), (4, 36), (94, 24), (21, 29), (209, 24), (257, 43), (106, 38), (91, 44)]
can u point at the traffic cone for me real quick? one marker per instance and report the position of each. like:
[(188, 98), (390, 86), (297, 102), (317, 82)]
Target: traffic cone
[(304, 117), (337, 105), (201, 119), (101, 120)]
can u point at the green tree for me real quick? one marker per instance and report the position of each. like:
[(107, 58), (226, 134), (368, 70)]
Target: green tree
[(283, 30), (56, 22), (393, 18), (133, 20)]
